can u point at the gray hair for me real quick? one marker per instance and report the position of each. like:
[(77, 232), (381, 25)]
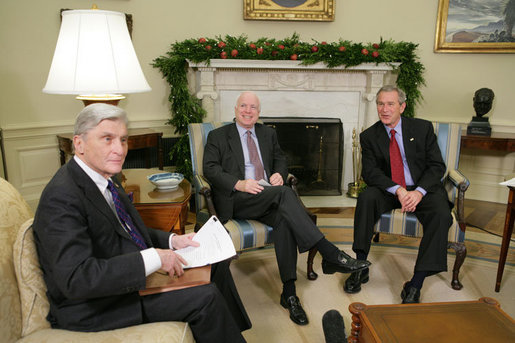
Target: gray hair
[(390, 88), (93, 114)]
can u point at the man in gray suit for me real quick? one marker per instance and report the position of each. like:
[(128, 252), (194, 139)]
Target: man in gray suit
[(413, 186), (237, 159), (96, 252)]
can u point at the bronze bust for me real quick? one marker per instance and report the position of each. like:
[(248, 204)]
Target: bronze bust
[(483, 99)]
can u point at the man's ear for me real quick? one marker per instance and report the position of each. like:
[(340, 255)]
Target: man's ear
[(78, 144), (403, 107)]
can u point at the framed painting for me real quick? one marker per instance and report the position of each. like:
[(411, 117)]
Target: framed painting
[(475, 26), (302, 10)]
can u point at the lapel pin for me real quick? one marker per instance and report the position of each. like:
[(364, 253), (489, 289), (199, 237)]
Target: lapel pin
[(411, 139)]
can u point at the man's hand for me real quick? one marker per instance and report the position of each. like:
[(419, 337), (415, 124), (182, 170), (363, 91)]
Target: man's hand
[(276, 180), (248, 186), (171, 262), (183, 241), (409, 200)]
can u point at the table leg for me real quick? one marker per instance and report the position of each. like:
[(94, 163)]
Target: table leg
[(508, 231)]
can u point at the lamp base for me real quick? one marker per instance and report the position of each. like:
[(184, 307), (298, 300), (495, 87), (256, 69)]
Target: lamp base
[(111, 99)]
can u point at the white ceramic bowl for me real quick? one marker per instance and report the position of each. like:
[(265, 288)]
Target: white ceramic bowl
[(166, 181)]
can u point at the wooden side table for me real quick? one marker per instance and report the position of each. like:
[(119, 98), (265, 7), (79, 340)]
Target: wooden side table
[(506, 237), (138, 139), (163, 210), (453, 322)]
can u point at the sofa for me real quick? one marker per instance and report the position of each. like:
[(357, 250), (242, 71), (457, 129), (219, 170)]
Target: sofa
[(23, 302)]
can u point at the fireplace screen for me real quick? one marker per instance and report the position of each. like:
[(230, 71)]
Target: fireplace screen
[(314, 148)]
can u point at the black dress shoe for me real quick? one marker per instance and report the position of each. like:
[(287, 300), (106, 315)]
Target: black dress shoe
[(297, 314), (354, 281), (345, 264), (410, 294)]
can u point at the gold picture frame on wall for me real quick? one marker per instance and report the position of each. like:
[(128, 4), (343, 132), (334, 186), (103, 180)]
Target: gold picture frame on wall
[(295, 10), (475, 26)]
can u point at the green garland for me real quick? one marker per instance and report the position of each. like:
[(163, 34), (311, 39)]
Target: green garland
[(186, 108)]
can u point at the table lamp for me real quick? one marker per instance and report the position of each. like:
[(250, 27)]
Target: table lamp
[(94, 58)]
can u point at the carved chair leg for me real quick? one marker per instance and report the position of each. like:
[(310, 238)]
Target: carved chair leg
[(461, 253), (311, 255)]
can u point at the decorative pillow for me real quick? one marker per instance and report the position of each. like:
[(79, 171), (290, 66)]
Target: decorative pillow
[(34, 303)]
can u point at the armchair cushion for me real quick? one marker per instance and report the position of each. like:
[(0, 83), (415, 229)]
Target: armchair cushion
[(34, 303)]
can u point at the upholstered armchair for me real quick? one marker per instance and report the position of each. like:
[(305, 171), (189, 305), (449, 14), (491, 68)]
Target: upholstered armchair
[(24, 305), (406, 224), (245, 234)]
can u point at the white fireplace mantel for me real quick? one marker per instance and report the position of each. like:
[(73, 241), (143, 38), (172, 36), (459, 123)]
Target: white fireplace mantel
[(290, 89)]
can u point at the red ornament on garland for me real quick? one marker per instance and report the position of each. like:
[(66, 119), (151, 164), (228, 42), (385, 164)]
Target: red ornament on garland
[(341, 48), (223, 55), (259, 51), (208, 47), (364, 52), (280, 46), (294, 57), (375, 45), (221, 45), (314, 48), (375, 54), (202, 40), (252, 45), (234, 53)]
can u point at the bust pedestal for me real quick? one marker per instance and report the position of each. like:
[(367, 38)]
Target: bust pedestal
[(479, 126)]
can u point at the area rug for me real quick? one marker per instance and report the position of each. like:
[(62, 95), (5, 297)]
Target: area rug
[(258, 282)]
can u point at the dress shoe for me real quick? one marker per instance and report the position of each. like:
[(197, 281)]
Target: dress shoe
[(354, 281), (410, 294), (297, 314), (345, 264)]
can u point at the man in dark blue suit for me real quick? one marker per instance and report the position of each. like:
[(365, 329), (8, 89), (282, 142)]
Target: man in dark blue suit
[(234, 156), (92, 265), (414, 186)]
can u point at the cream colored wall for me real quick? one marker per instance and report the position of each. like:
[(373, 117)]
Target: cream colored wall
[(29, 29)]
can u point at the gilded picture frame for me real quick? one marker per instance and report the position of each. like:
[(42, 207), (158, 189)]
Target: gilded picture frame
[(481, 26), (294, 10)]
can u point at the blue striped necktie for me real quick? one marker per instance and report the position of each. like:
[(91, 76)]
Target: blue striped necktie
[(125, 218)]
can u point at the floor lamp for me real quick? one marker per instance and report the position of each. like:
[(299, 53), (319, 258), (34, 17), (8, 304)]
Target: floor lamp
[(94, 58)]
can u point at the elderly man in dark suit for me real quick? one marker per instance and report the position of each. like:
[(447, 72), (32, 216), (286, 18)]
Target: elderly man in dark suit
[(238, 158), (96, 252), (402, 167)]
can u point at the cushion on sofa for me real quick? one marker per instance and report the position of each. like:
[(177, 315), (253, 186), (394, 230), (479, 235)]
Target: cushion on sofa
[(34, 303)]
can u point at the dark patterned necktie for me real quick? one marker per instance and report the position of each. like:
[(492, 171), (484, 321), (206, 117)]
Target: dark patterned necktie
[(124, 217), (254, 158), (396, 164)]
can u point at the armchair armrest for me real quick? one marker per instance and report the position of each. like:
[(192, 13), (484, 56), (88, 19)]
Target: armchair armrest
[(460, 184)]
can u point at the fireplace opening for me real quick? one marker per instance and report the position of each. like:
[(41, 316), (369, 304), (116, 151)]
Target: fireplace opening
[(314, 149)]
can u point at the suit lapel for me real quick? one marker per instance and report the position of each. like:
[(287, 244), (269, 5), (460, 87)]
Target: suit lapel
[(263, 147), (95, 198), (235, 144), (383, 141), (408, 139)]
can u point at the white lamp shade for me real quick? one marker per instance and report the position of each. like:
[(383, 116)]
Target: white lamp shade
[(94, 55)]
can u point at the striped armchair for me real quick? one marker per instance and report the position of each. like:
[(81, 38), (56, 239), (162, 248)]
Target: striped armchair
[(245, 234), (406, 224)]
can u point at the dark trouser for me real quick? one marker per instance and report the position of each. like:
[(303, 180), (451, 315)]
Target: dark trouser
[(213, 314), (433, 212), (279, 208)]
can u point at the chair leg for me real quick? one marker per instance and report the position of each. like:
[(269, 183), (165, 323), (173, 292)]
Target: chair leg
[(376, 237), (461, 253), (311, 255)]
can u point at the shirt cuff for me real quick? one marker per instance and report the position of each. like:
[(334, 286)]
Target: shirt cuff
[(393, 189), (170, 241), (421, 190), (151, 260)]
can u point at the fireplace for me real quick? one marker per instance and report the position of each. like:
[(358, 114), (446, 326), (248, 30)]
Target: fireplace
[(290, 89), (314, 150)]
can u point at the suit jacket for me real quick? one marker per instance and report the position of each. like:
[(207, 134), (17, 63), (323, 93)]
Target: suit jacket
[(422, 154), (224, 162), (92, 268)]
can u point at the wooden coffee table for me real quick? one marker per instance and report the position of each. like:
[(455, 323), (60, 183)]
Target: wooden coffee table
[(463, 321), (163, 210)]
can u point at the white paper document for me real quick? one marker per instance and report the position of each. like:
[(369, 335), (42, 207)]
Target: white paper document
[(510, 182), (215, 245), (263, 182)]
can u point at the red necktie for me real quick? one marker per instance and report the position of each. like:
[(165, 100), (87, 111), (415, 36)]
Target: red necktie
[(254, 158), (396, 162)]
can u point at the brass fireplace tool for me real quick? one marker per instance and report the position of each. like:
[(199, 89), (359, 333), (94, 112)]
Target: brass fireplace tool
[(353, 190), (319, 181)]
